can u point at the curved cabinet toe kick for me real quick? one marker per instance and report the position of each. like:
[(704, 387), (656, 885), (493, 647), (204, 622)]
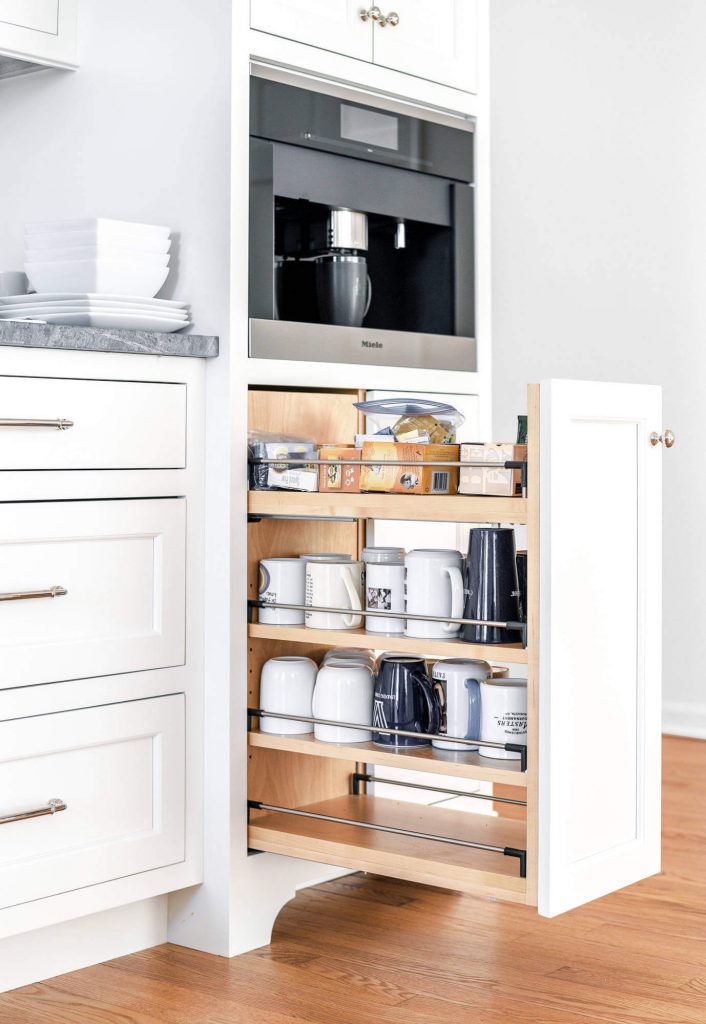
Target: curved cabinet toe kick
[(570, 828), (101, 641)]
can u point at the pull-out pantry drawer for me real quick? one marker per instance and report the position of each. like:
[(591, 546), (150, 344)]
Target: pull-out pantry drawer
[(115, 775), (58, 423), (118, 573)]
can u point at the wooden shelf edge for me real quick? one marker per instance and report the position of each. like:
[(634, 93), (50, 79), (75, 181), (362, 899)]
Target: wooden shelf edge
[(423, 759), (454, 508), (416, 860), (507, 654)]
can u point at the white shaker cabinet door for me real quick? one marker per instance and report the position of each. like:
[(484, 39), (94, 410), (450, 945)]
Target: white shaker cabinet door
[(119, 771), (328, 24), (121, 570), (437, 41), (600, 640), (41, 31)]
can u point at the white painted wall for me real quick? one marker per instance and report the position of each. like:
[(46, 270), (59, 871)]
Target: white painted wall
[(140, 132), (599, 246)]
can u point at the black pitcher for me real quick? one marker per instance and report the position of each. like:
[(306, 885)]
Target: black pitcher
[(492, 587), (404, 699)]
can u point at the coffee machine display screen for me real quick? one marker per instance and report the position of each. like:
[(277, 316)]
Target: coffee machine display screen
[(369, 127)]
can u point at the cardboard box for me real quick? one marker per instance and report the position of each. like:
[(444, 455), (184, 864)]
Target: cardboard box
[(409, 479), (492, 478), (337, 478)]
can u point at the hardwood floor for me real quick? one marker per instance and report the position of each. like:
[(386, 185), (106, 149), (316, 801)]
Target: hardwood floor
[(366, 950)]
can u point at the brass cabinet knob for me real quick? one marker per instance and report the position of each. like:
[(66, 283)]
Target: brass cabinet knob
[(371, 14), (667, 439), (393, 19)]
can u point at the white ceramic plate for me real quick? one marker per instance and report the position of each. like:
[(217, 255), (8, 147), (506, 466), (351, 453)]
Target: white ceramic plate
[(126, 321), (111, 276), (117, 239), (74, 297), (96, 252), (40, 312)]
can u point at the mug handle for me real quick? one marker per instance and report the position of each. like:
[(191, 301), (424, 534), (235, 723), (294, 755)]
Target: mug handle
[(369, 297), (433, 713), (350, 620), (457, 595), (473, 728)]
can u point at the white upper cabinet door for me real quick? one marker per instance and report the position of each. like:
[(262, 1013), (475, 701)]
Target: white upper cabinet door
[(41, 31), (437, 41), (600, 640), (329, 24)]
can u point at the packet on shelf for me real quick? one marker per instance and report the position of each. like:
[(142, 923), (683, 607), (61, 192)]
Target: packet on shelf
[(336, 477), (409, 479), (491, 479)]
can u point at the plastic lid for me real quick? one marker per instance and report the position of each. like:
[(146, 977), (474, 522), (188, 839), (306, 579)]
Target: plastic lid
[(384, 556), (406, 407)]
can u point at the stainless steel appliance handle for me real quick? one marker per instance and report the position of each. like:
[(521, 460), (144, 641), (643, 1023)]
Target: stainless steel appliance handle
[(52, 807), (59, 424), (33, 595)]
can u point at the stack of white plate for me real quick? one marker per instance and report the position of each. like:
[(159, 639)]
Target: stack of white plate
[(97, 273), (89, 310)]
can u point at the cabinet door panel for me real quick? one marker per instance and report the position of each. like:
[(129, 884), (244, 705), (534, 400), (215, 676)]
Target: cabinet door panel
[(39, 31), (329, 24), (600, 648), (437, 41), (120, 771), (38, 15), (122, 564)]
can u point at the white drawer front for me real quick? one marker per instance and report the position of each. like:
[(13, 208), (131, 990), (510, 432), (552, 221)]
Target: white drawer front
[(123, 566), (120, 771), (116, 424)]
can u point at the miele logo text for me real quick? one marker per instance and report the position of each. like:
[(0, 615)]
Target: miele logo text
[(371, 344)]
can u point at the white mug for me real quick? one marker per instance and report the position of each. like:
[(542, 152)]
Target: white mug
[(434, 586), (287, 687), (334, 556), (333, 585), (503, 715), (281, 581), (344, 693), (337, 654), (456, 682), (384, 588)]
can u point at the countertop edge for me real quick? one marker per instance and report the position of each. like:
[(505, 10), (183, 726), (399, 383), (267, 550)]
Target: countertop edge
[(95, 339)]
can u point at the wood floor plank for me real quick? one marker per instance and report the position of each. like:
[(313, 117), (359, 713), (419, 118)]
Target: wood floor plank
[(369, 950)]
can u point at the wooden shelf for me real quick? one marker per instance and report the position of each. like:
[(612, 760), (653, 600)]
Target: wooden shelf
[(416, 860), (453, 508), (421, 759), (514, 654)]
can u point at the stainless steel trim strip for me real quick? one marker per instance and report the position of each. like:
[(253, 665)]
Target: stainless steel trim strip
[(52, 807), (322, 343)]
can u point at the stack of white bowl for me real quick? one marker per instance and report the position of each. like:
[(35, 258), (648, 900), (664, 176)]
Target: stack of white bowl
[(97, 272)]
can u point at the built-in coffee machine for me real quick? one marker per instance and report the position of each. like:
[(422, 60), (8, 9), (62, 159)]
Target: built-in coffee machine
[(361, 230)]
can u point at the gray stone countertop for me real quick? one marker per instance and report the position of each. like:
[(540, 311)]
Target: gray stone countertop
[(96, 339)]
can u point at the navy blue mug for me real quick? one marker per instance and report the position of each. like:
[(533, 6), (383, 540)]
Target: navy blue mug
[(404, 699), (492, 586)]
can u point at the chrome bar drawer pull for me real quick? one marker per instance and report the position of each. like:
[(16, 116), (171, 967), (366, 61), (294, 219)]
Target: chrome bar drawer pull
[(52, 424), (51, 808), (33, 595)]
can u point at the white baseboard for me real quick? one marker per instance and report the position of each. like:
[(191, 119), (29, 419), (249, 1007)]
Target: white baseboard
[(684, 719), (69, 946)]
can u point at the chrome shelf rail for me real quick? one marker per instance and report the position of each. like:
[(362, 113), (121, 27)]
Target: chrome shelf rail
[(507, 851), (514, 748)]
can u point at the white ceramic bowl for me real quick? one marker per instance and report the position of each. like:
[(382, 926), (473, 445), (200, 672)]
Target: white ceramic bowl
[(96, 224), (114, 239), (97, 276), (96, 252)]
